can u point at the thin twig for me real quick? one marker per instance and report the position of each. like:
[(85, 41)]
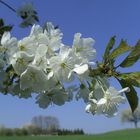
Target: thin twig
[(8, 6)]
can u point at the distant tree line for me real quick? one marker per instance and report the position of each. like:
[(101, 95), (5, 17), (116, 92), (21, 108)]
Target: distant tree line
[(40, 125), (70, 132), (33, 130), (13, 132)]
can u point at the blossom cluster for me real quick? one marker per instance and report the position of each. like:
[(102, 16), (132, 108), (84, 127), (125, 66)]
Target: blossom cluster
[(28, 14), (42, 64)]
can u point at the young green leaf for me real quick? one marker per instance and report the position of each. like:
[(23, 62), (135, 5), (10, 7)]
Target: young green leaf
[(131, 96), (5, 29), (108, 48), (121, 49), (133, 57), (133, 78)]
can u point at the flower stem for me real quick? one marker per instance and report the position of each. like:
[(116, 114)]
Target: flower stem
[(7, 5)]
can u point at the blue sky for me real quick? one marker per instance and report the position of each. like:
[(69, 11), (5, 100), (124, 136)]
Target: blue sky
[(99, 19)]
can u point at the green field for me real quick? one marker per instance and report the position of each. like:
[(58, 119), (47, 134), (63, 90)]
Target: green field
[(130, 134)]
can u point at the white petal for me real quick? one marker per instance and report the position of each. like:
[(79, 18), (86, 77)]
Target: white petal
[(20, 61), (119, 99), (88, 107), (93, 101), (43, 100), (60, 98), (70, 73), (112, 91), (127, 89), (36, 29), (42, 49), (92, 63), (101, 101), (5, 37), (33, 78), (50, 75), (81, 69)]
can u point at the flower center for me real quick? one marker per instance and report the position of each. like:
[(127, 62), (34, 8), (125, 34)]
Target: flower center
[(63, 65), (22, 48), (78, 49)]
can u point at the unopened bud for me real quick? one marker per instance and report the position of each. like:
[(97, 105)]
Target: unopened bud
[(127, 89)]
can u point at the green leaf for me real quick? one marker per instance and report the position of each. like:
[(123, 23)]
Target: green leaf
[(133, 78), (1, 22), (108, 48), (121, 49), (5, 28), (131, 96), (133, 57)]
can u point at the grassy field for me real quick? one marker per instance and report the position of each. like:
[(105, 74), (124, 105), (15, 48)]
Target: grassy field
[(130, 134)]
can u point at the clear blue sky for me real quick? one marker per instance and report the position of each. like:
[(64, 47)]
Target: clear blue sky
[(99, 19)]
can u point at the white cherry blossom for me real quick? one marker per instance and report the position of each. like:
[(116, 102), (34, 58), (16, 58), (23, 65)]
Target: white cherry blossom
[(28, 14), (54, 36), (20, 61), (34, 78), (57, 96), (106, 102), (62, 65), (109, 103), (40, 58), (28, 44), (83, 48), (8, 46), (83, 93)]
